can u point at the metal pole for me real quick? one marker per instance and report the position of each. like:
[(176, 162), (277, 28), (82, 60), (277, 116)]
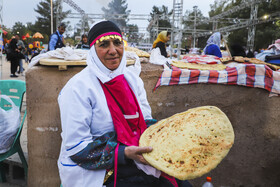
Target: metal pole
[(51, 16), (172, 30), (252, 27), (58, 12), (180, 31), (194, 26)]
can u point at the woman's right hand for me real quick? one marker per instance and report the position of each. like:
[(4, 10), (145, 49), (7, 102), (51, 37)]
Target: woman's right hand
[(135, 153)]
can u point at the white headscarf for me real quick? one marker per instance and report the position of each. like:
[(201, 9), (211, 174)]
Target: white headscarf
[(99, 69), (213, 39)]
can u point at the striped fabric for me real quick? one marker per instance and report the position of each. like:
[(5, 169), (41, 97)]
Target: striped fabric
[(202, 59), (250, 75)]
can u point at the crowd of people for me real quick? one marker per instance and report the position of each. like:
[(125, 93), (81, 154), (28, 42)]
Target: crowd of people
[(15, 53), (17, 50), (212, 47)]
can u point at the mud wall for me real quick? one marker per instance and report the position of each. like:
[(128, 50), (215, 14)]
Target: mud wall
[(252, 161)]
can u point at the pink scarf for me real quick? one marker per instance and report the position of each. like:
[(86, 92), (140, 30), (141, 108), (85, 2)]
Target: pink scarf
[(127, 117)]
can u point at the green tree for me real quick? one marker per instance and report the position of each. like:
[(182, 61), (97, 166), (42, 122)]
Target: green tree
[(190, 18), (133, 34), (268, 31), (116, 7), (218, 7), (43, 22), (18, 28), (160, 19), (80, 27)]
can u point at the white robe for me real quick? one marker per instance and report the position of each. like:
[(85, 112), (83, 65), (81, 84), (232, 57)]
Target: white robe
[(84, 114)]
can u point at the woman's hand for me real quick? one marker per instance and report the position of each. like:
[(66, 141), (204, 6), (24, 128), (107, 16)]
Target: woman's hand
[(135, 153)]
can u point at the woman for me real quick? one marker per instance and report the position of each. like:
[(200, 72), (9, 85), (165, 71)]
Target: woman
[(213, 45), (83, 44), (160, 42), (14, 55), (103, 111)]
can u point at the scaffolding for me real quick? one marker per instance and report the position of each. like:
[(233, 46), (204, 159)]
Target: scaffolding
[(240, 23), (177, 18), (177, 26), (85, 17), (252, 28)]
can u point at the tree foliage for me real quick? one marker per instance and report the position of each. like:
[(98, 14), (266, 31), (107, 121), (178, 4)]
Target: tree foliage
[(265, 33), (81, 28), (116, 7), (190, 18), (133, 34), (19, 28), (43, 22), (160, 17), (162, 14)]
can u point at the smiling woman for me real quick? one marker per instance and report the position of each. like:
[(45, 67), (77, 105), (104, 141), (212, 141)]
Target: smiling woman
[(110, 51), (103, 111)]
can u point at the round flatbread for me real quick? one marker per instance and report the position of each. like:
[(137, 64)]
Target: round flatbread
[(190, 144), (187, 65)]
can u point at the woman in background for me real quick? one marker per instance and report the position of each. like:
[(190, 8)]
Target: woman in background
[(162, 38), (14, 55), (213, 45), (83, 44)]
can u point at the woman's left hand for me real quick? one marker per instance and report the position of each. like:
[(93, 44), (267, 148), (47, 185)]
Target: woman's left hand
[(135, 153)]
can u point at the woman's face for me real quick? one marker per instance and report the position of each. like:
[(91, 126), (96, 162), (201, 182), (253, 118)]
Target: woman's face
[(110, 52), (168, 37), (85, 40)]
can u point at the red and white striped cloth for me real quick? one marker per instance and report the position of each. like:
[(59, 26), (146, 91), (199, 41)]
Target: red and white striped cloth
[(202, 59), (250, 75)]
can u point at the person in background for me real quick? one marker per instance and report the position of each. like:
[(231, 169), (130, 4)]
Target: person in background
[(34, 52), (275, 47), (21, 47), (26, 55), (213, 45), (224, 52), (57, 39), (250, 54), (162, 38), (187, 49), (104, 110), (83, 44), (237, 50), (14, 55)]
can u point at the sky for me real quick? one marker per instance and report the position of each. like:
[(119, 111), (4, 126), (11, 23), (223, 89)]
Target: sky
[(23, 10)]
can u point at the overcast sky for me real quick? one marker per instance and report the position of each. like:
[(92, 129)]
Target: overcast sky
[(23, 10)]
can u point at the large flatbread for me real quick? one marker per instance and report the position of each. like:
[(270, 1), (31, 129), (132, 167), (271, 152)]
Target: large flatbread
[(255, 61), (188, 65), (139, 52), (190, 144)]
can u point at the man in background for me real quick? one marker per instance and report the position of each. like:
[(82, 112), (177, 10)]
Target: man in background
[(57, 39)]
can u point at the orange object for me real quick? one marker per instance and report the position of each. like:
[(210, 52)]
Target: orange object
[(36, 44), (208, 179), (37, 35), (125, 43)]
